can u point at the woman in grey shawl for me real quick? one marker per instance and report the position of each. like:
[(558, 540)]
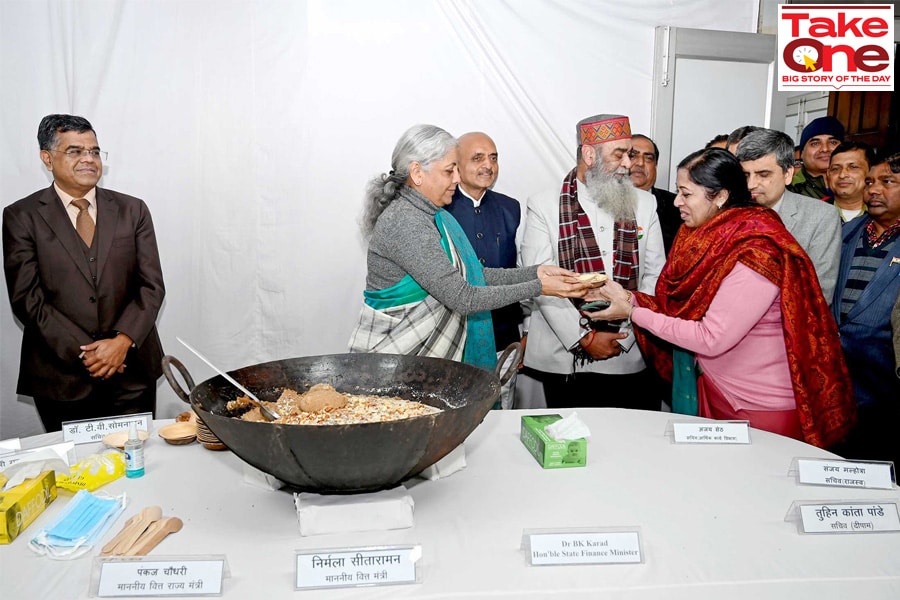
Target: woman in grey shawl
[(426, 293)]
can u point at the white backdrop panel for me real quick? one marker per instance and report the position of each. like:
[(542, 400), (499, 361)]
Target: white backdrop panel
[(740, 86), (251, 127)]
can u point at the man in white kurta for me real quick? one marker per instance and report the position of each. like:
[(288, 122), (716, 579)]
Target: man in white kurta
[(613, 372)]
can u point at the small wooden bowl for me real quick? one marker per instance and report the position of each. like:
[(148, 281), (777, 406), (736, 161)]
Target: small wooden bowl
[(118, 439), (188, 416), (179, 433)]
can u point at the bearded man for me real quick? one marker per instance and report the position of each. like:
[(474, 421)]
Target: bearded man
[(598, 222)]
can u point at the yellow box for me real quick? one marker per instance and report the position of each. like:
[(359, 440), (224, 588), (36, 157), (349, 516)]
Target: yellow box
[(22, 504)]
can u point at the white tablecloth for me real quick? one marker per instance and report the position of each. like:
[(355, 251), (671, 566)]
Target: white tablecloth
[(711, 517)]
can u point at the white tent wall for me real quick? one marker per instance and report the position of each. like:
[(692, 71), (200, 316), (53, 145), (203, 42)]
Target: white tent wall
[(251, 127)]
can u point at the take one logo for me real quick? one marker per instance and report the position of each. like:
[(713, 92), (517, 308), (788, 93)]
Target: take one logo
[(825, 47)]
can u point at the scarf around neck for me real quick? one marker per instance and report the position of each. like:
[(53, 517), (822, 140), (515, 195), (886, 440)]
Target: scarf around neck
[(755, 236), (578, 249)]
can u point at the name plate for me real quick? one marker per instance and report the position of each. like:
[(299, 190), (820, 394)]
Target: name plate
[(583, 547), (858, 517), (190, 576), (353, 567), (10, 445), (719, 432), (843, 473), (94, 430)]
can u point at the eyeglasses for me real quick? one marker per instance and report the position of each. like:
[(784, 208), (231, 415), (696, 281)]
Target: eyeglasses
[(76, 152)]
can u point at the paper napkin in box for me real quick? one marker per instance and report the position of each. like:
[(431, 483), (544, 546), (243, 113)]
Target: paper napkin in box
[(568, 428), (550, 453), (22, 504)]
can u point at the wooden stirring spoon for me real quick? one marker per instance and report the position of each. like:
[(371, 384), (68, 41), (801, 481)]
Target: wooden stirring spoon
[(154, 535), (150, 515)]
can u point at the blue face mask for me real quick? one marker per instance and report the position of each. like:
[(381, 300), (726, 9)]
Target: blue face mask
[(78, 526)]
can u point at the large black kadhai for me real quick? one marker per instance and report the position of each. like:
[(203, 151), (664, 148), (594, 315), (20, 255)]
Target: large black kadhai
[(356, 458)]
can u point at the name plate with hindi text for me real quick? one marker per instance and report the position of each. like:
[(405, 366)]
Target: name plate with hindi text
[(353, 567), (848, 517), (583, 546), (715, 432), (94, 430), (844, 473), (10, 445), (117, 577)]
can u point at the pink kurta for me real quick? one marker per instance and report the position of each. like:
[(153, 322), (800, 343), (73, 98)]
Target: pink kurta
[(739, 342)]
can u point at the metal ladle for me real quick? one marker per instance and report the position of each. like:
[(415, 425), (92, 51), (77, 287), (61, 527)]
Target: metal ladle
[(267, 413)]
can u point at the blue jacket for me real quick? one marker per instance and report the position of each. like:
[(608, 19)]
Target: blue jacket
[(866, 336), (492, 230)]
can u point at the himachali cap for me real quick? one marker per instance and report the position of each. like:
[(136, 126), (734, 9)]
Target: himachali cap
[(603, 128)]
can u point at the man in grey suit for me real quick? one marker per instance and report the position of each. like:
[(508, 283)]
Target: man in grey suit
[(767, 157), (83, 276)]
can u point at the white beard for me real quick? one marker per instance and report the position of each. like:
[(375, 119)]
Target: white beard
[(613, 194)]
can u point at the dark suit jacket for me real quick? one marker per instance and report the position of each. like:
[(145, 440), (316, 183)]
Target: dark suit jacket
[(52, 292), (866, 330), (895, 324), (492, 231), (669, 216)]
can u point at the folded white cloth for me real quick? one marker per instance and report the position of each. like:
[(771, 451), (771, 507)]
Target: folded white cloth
[(257, 478), (389, 509), (450, 464), (568, 428)]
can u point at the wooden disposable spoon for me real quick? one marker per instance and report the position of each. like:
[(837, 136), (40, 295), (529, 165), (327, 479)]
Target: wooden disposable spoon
[(108, 548), (131, 532), (154, 535)]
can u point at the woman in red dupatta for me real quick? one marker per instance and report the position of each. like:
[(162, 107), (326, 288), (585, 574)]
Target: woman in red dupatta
[(740, 292)]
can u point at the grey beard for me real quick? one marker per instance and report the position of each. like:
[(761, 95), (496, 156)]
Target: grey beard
[(612, 194)]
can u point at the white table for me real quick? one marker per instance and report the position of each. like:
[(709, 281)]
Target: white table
[(712, 522)]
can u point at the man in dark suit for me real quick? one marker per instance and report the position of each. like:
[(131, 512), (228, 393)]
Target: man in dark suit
[(490, 221), (84, 278), (644, 158), (867, 286)]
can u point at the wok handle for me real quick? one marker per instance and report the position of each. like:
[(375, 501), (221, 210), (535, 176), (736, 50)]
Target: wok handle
[(514, 365), (167, 363)]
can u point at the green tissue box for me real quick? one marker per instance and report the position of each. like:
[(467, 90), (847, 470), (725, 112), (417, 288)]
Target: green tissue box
[(549, 453)]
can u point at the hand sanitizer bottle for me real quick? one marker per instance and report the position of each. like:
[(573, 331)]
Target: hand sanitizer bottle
[(134, 453)]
